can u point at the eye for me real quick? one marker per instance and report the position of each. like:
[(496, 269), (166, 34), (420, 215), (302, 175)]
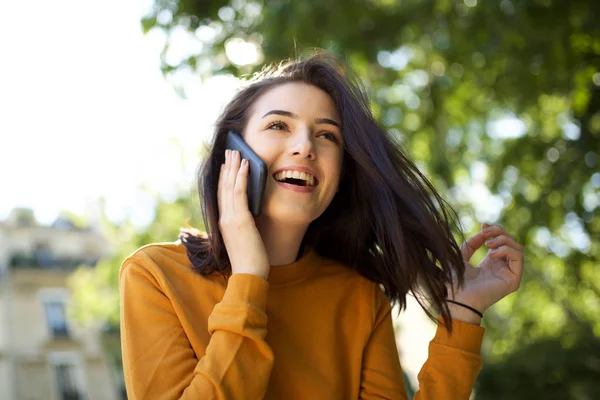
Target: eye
[(330, 136), (277, 124)]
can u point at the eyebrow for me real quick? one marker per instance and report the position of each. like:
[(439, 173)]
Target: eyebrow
[(296, 116)]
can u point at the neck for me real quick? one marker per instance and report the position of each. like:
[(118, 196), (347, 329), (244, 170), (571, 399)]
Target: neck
[(282, 240)]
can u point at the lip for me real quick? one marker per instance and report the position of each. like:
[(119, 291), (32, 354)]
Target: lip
[(296, 188), (299, 169)]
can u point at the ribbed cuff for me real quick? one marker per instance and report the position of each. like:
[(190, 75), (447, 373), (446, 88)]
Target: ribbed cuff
[(246, 288), (464, 336)]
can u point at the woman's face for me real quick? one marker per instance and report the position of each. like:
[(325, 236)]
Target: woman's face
[(296, 130)]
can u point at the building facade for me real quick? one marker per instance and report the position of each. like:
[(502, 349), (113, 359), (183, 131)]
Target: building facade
[(43, 353)]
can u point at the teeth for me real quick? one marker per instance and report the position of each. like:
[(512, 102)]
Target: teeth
[(296, 175)]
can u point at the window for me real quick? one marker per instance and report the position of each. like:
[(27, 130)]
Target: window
[(56, 317), (69, 379), (66, 379)]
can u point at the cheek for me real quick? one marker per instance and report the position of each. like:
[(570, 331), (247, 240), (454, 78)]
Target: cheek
[(266, 153), (336, 166), (263, 148)]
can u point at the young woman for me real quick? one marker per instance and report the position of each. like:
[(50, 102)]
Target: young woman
[(296, 303)]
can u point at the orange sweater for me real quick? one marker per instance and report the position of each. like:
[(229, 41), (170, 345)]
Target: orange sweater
[(315, 330)]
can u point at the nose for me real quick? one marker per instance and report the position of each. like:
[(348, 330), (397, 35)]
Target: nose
[(303, 146)]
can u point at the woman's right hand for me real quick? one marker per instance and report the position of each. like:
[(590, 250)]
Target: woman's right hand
[(243, 242)]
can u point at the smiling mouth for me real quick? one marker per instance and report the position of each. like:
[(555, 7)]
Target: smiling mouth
[(297, 182), (299, 179)]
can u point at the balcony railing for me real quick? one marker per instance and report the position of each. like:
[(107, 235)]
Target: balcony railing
[(60, 332), (71, 395), (45, 260)]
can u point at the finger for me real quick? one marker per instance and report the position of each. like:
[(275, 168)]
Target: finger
[(235, 166), (220, 188), (495, 230), (492, 230), (485, 225), (233, 173), (223, 183), (504, 240), (470, 246), (241, 183), (228, 183), (513, 256)]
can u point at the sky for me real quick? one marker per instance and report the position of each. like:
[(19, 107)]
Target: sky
[(85, 111)]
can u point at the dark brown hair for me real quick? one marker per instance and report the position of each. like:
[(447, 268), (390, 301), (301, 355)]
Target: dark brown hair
[(387, 221)]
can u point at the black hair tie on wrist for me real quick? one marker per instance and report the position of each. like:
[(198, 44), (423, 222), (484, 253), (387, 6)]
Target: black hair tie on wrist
[(466, 306)]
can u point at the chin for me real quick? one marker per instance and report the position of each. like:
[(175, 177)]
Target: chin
[(289, 215)]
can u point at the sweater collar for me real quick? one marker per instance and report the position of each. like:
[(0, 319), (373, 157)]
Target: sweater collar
[(303, 268)]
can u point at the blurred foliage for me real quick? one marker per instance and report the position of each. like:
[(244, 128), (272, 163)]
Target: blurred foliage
[(548, 369), (498, 102), (22, 216)]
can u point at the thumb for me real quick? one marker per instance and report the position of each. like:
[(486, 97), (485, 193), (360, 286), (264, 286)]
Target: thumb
[(484, 225), (470, 246)]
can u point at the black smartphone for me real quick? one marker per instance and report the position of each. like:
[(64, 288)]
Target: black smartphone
[(257, 174)]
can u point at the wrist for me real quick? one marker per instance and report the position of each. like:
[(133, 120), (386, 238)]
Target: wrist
[(460, 313)]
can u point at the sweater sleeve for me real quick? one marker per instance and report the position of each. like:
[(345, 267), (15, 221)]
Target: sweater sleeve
[(448, 374), (158, 360)]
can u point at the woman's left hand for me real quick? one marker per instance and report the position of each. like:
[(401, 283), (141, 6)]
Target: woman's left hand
[(498, 274)]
